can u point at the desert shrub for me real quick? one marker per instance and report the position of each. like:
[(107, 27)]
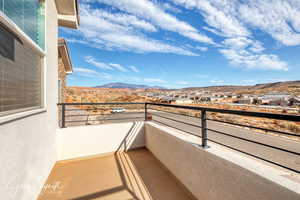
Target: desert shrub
[(290, 126)]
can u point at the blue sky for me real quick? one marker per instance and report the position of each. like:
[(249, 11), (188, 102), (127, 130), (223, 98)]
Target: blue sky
[(183, 43)]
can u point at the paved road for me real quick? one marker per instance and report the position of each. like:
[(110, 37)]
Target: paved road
[(284, 158), (76, 116)]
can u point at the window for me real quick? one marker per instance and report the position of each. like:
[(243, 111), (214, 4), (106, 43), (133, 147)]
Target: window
[(28, 15), (20, 74), (7, 44)]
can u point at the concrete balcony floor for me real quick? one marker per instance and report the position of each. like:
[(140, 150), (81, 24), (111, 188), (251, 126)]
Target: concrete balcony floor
[(134, 175)]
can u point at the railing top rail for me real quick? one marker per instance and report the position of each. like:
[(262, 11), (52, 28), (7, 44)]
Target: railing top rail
[(90, 104), (295, 118)]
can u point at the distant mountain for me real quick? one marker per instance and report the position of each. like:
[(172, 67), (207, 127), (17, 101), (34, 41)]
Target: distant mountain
[(128, 86)]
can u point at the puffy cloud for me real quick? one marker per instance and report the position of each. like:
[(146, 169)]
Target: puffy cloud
[(220, 15), (126, 20), (279, 18), (249, 60), (101, 31), (91, 60), (234, 20), (118, 67), (148, 10), (90, 73)]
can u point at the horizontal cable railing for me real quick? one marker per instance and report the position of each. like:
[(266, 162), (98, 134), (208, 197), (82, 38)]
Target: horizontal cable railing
[(203, 122), (220, 126), (75, 114)]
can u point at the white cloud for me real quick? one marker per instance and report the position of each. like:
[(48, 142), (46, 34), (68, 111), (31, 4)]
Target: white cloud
[(182, 83), (90, 73), (98, 31), (279, 18), (154, 80), (234, 20), (220, 15), (150, 11), (249, 60), (201, 48), (256, 47), (169, 7), (108, 66), (118, 67), (231, 19), (126, 20), (91, 60), (247, 53), (133, 68), (141, 44), (237, 42)]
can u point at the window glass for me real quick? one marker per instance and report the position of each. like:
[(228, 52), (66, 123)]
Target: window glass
[(20, 78), (1, 5), (29, 16), (7, 44)]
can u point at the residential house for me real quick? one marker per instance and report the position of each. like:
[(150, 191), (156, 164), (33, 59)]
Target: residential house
[(205, 98), (274, 99), (64, 68), (243, 101), (294, 101), (184, 101), (166, 99)]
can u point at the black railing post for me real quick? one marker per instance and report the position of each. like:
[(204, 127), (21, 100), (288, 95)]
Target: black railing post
[(203, 129), (63, 116), (146, 112)]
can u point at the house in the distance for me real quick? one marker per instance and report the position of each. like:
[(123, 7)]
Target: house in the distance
[(184, 101), (274, 99), (294, 101), (64, 68)]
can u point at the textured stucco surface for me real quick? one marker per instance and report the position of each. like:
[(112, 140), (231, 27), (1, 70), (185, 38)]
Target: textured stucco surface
[(27, 145), (207, 174), (81, 141)]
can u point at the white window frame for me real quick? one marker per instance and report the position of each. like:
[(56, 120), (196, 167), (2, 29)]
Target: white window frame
[(22, 113)]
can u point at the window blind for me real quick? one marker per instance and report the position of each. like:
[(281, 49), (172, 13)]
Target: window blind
[(20, 78)]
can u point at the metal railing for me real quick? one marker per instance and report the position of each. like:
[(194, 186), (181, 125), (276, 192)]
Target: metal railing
[(200, 122), (74, 114)]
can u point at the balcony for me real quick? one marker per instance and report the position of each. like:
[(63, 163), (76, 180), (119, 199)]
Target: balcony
[(136, 174), (156, 151)]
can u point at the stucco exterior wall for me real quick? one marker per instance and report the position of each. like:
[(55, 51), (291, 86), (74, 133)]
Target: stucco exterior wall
[(211, 174), (28, 145), (82, 141)]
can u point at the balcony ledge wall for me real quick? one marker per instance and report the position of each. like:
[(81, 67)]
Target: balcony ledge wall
[(84, 141), (217, 173)]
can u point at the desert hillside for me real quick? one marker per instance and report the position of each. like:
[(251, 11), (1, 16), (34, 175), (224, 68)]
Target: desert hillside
[(291, 87), (103, 95)]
